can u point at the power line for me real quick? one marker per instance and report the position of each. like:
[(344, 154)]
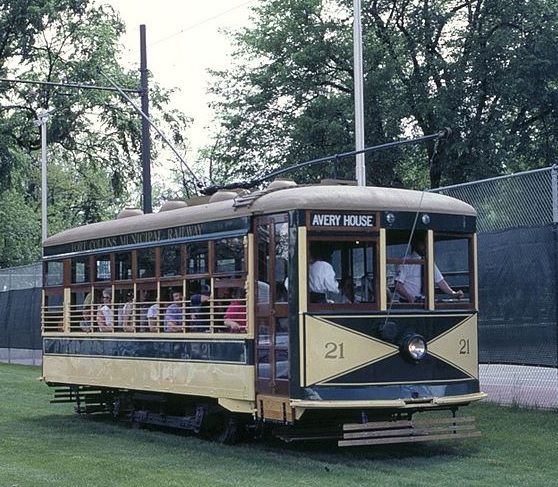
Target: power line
[(205, 21), (67, 85), (197, 181)]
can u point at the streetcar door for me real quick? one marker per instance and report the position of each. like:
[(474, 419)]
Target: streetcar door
[(271, 304)]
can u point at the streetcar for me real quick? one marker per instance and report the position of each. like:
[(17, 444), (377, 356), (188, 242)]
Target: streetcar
[(206, 315)]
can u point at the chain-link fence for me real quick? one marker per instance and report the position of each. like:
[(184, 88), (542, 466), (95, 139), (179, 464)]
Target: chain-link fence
[(20, 305), (518, 284)]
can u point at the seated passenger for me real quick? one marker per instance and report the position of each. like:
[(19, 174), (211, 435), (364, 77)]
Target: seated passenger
[(409, 280), (125, 313), (174, 316), (347, 294), (235, 316), (199, 319), (321, 275), (105, 316), (151, 316), (85, 324)]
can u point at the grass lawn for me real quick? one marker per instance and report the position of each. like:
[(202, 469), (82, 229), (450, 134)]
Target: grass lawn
[(43, 444)]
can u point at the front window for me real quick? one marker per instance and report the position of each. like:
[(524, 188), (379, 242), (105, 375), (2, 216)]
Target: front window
[(407, 269), (342, 271), (451, 255)]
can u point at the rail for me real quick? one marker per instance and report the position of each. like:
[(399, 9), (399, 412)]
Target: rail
[(213, 316)]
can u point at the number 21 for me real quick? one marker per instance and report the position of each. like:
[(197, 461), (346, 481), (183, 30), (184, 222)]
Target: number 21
[(334, 350)]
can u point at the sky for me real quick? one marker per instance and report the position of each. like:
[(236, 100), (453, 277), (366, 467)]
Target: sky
[(184, 39)]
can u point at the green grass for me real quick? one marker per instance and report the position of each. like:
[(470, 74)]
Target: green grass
[(43, 444)]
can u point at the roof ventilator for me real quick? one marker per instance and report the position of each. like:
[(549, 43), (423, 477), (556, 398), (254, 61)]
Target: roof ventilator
[(128, 212)]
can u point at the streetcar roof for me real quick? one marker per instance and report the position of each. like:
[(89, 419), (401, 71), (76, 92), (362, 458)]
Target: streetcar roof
[(317, 197)]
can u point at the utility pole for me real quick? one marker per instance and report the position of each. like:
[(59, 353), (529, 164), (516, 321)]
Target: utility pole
[(145, 140), (42, 119), (360, 168)]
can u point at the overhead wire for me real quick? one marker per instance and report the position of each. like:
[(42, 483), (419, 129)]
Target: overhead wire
[(197, 24)]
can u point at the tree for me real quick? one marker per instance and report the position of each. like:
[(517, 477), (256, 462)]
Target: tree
[(485, 68), (94, 136)]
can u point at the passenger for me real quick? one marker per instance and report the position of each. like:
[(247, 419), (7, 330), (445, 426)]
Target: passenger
[(235, 316), (321, 276), (174, 316), (86, 324), (409, 280), (105, 315), (151, 315), (126, 313), (199, 320), (141, 309), (347, 294)]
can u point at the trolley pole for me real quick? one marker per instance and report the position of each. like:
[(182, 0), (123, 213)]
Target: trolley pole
[(359, 96), (145, 140)]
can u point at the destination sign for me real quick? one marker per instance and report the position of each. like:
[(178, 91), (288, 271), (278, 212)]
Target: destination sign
[(352, 220)]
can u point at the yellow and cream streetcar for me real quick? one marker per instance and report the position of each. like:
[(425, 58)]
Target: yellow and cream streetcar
[(279, 309)]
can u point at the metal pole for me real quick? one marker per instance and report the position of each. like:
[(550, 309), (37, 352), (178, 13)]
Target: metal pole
[(145, 140), (360, 168), (41, 121)]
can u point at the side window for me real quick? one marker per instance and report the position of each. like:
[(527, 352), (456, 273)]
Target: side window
[(146, 263), (54, 271), (229, 255), (197, 258), (81, 271), (170, 260), (102, 268), (123, 266)]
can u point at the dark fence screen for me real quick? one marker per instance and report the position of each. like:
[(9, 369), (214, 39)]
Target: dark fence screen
[(517, 245), (20, 321), (517, 297)]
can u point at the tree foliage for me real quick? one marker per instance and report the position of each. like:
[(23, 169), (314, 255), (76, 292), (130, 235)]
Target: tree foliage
[(485, 68), (93, 135)]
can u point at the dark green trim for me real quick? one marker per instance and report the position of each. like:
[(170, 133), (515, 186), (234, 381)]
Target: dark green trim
[(227, 351), (386, 392)]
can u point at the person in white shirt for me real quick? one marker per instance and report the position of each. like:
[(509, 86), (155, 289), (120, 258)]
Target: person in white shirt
[(126, 313), (105, 315), (321, 276), (409, 281), (152, 313)]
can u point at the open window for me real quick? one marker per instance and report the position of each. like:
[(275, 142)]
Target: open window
[(406, 269), (342, 271), (452, 255)]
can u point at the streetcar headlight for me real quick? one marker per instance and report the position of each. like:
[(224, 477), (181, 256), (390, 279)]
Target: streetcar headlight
[(414, 346)]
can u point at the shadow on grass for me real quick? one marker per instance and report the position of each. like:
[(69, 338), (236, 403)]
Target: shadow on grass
[(325, 451)]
